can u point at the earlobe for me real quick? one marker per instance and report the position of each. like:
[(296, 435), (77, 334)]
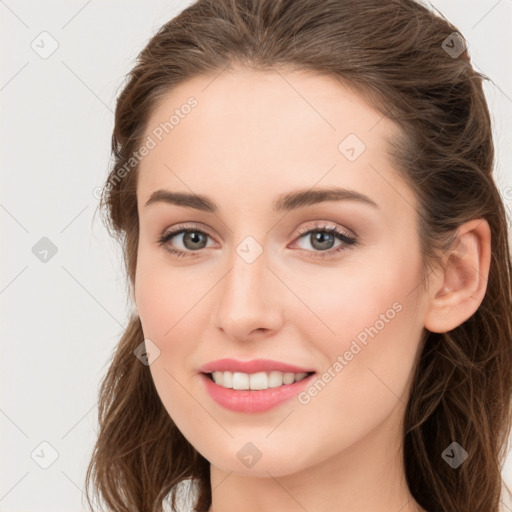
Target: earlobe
[(459, 290)]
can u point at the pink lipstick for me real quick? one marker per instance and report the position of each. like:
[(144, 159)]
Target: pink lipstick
[(278, 381)]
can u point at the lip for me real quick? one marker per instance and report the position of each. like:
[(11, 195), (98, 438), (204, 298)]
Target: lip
[(252, 366), (253, 401)]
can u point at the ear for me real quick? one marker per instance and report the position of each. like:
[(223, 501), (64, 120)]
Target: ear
[(458, 290)]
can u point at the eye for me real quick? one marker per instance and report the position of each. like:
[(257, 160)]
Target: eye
[(192, 240), (323, 238)]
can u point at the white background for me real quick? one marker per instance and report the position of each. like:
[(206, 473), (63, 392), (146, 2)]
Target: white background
[(63, 318)]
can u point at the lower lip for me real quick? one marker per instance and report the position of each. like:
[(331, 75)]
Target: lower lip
[(247, 400)]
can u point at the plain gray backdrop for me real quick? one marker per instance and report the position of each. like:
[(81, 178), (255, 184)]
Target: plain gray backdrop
[(62, 286)]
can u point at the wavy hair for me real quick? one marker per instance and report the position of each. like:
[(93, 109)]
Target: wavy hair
[(396, 53)]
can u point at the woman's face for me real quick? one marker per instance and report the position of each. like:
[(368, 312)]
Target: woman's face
[(259, 274)]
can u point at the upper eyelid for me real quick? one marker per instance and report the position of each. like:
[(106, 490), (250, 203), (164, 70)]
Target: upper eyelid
[(186, 227), (199, 227), (326, 226)]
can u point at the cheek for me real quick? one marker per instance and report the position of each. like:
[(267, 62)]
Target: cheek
[(367, 289), (372, 311), (166, 300), (366, 322), (170, 303), (164, 295)]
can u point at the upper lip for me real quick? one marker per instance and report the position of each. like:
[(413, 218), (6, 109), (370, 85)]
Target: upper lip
[(252, 366)]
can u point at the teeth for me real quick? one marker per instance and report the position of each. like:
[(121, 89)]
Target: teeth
[(240, 380), (255, 381)]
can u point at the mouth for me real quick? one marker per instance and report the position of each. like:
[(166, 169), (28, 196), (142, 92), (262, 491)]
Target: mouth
[(255, 381), (254, 392)]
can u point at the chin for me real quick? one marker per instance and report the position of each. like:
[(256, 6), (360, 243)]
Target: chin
[(273, 461)]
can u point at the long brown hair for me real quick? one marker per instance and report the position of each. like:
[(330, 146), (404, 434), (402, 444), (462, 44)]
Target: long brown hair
[(412, 66)]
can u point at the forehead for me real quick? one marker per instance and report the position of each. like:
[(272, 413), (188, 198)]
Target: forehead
[(263, 130), (264, 101)]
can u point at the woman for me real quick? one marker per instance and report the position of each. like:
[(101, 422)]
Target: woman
[(318, 256)]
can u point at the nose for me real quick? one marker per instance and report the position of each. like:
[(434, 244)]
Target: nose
[(249, 299)]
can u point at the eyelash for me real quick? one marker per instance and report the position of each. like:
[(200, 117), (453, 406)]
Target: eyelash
[(348, 241)]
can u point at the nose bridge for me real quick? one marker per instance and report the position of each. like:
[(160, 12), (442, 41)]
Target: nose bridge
[(247, 296)]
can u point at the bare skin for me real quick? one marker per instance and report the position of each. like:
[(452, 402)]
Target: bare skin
[(252, 137)]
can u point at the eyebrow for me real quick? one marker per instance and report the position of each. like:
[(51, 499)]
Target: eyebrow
[(285, 202)]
